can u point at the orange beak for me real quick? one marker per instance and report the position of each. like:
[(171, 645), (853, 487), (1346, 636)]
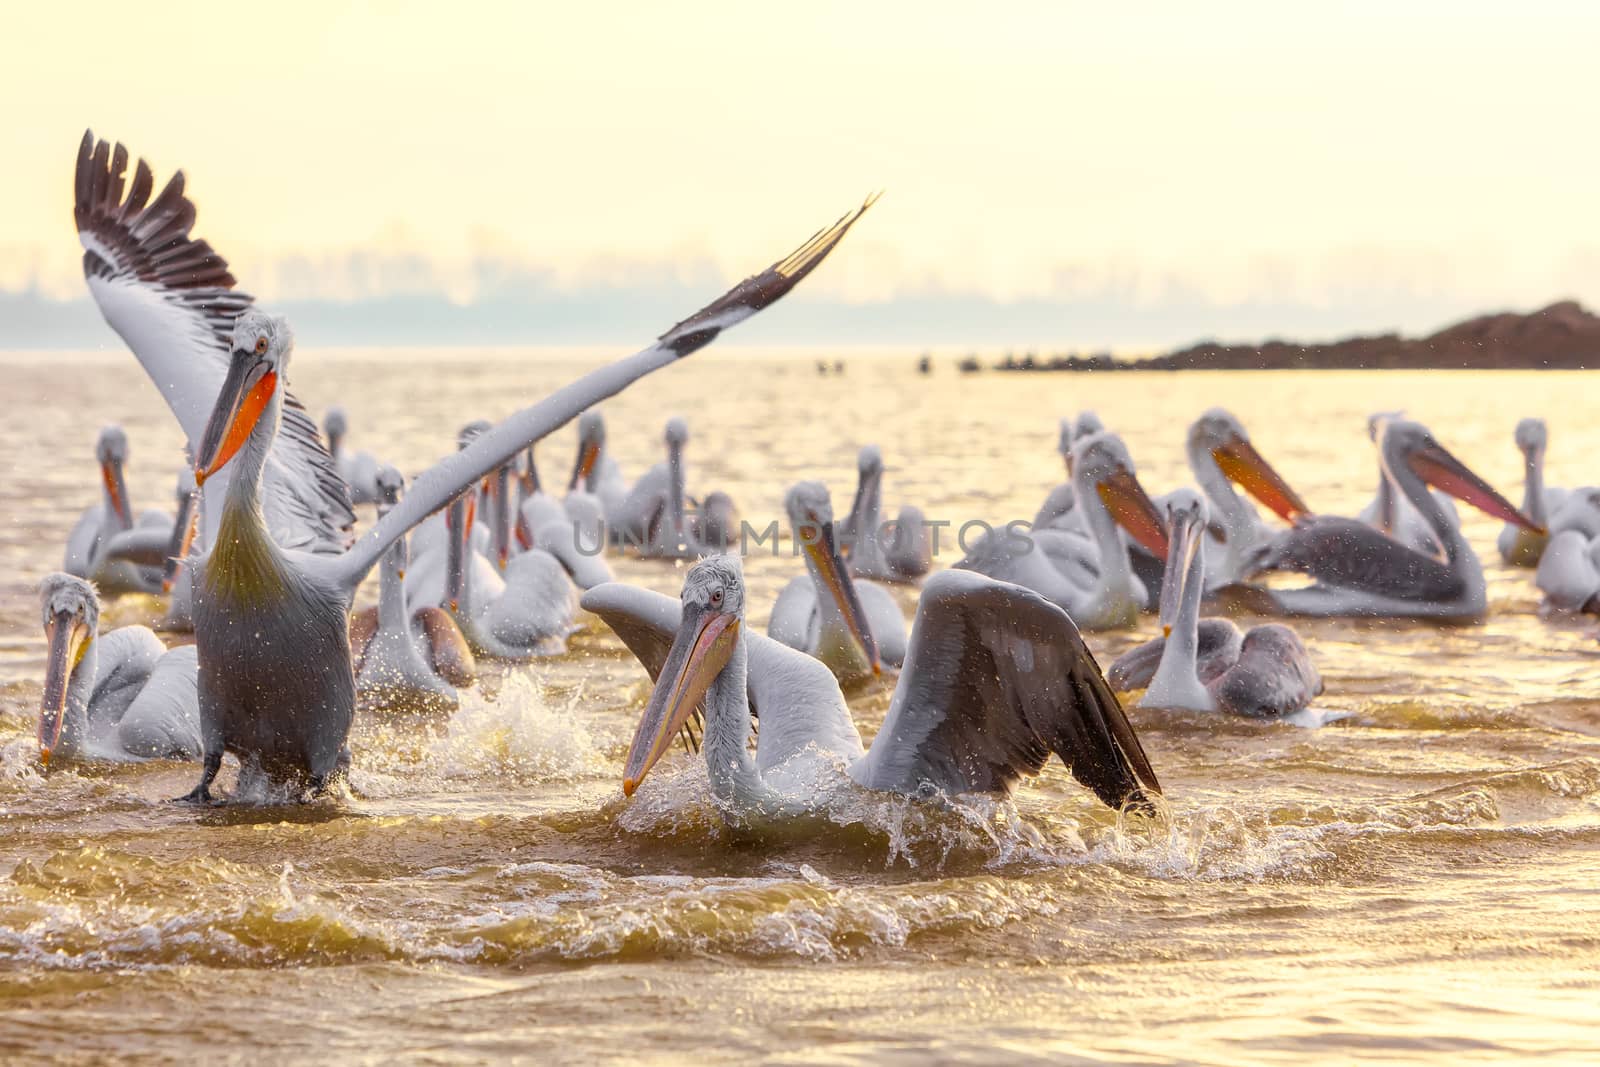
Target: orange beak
[(239, 408), (1242, 464)]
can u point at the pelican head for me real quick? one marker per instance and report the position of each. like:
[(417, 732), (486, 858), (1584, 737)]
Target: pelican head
[(713, 611), (70, 611), (1187, 516), (1378, 419), (869, 462), (471, 432), (260, 355), (591, 442), (390, 485), (1220, 436), (1402, 442), (1087, 424), (1101, 463), (677, 432), (1531, 437), (811, 518), (335, 424), (111, 451)]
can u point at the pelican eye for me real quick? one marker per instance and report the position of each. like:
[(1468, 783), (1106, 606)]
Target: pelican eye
[(261, 345), (716, 598)]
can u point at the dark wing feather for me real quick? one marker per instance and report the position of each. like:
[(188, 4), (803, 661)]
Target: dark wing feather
[(173, 300), (996, 679), (759, 290), (1352, 555)]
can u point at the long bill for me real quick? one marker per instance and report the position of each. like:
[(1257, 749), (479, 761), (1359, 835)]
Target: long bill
[(67, 638), (1187, 531), (458, 536), (823, 549), (583, 466), (117, 492), (1134, 511), (700, 650), (244, 397), (1436, 466), (1241, 463)]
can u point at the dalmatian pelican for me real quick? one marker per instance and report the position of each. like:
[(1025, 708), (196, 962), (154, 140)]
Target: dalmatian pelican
[(89, 545), (996, 680), (1207, 664), (884, 552), (118, 696), (1520, 547), (406, 659), (853, 627), (1360, 571)]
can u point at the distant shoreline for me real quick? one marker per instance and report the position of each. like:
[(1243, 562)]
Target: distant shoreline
[(1563, 336)]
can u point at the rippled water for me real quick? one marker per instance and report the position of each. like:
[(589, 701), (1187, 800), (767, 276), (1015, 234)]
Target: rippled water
[(1416, 880)]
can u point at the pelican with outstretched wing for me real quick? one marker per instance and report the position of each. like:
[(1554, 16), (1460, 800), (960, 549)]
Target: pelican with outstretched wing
[(996, 680)]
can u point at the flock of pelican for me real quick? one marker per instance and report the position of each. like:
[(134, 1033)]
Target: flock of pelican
[(479, 558)]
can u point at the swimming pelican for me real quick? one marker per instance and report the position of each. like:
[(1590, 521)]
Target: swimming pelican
[(172, 300), (1520, 547), (1207, 665), (572, 530), (405, 659), (595, 472), (997, 679), (1092, 580), (119, 695), (653, 517), (87, 545), (852, 627), (518, 612), (904, 554), (358, 469), (277, 685), (1361, 572), (1221, 456)]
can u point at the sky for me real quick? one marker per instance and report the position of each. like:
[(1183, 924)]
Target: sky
[(1059, 175)]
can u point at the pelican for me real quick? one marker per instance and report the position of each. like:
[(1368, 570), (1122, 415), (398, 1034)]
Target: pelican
[(571, 530), (595, 472), (172, 300), (852, 627), (1221, 456), (903, 555), (518, 612), (1359, 571), (404, 659), (997, 679), (653, 517), (1092, 580), (120, 695), (87, 545), (358, 469), (276, 681), (1520, 547), (1208, 665)]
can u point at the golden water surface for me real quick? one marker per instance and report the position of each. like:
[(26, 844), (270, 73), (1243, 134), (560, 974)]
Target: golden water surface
[(1418, 880)]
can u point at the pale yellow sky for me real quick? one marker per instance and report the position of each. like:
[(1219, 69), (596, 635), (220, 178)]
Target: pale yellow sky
[(1244, 152)]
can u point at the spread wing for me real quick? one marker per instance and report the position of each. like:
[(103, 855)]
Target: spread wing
[(172, 300), (996, 679)]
